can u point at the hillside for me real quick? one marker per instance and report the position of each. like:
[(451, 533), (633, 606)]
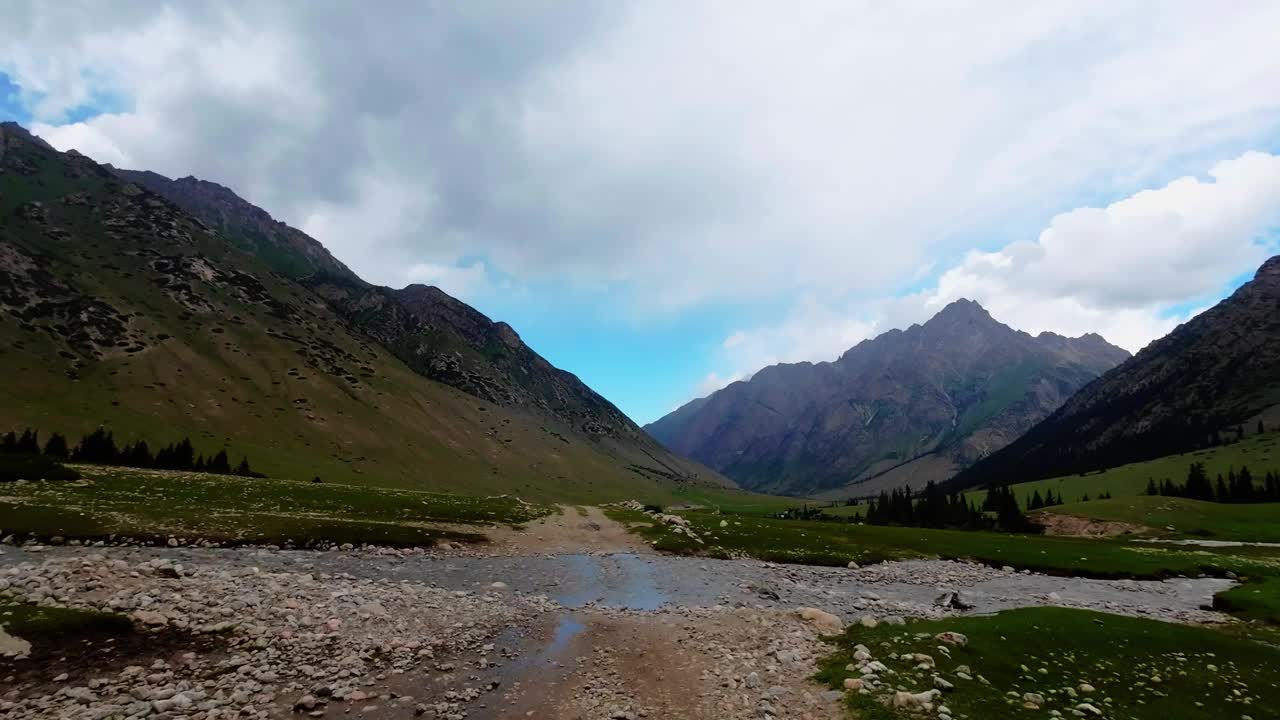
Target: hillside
[(285, 249), (1216, 374), (119, 308), (905, 407)]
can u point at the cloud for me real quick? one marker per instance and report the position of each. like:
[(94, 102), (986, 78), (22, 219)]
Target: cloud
[(672, 153), (461, 282), (1118, 270), (713, 382), (813, 331), (1126, 271)]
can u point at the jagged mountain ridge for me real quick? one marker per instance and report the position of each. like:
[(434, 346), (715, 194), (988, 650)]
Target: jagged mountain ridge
[(1216, 372), (118, 307), (435, 334), (284, 248), (938, 395)]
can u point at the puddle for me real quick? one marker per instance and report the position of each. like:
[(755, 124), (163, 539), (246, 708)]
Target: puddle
[(622, 580), (566, 630)]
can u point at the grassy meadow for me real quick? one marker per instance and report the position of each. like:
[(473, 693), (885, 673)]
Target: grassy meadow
[(836, 544), (146, 504), (1180, 517), (1124, 667)]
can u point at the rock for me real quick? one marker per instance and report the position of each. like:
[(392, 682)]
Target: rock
[(151, 618), (306, 702), (853, 565), (952, 638), (853, 684), (724, 523), (752, 680), (951, 600), (868, 621), (1034, 698), (822, 621), (943, 684), (909, 700), (499, 586), (1086, 688), (1088, 709)]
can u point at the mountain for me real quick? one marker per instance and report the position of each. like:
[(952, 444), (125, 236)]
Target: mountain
[(119, 306), (284, 249), (1212, 375), (905, 407)]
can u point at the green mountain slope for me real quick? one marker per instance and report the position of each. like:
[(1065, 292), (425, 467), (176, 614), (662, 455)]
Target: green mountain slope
[(1213, 376), (118, 308)]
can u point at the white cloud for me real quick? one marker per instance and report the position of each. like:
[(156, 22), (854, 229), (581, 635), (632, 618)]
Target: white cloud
[(91, 140), (812, 332), (713, 382), (465, 283), (675, 152), (1118, 270), (1122, 271)]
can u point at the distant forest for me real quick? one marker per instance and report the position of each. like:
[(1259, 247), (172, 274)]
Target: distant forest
[(1235, 487), (933, 508), (99, 448)]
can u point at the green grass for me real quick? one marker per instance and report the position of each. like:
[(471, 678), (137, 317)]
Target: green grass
[(152, 504), (1195, 518), (827, 543), (39, 625), (727, 500), (1138, 668), (1260, 453), (1258, 598)]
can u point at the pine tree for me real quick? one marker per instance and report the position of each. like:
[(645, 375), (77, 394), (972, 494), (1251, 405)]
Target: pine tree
[(1037, 502), (219, 464), (184, 455), (29, 443), (9, 444), (1198, 486), (242, 469), (139, 456), (1221, 493), (97, 447), (1244, 486), (1261, 427), (56, 446), (1085, 498), (1151, 487)]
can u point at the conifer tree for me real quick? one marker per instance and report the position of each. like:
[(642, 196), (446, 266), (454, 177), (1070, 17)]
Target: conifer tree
[(219, 463), (29, 443), (56, 446)]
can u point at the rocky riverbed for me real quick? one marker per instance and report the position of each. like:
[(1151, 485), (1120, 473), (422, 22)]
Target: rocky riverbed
[(266, 633)]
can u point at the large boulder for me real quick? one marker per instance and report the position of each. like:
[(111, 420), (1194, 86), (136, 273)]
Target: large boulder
[(823, 621)]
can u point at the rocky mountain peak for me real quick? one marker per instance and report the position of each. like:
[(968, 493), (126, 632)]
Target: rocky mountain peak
[(926, 400), (962, 311), (1269, 269)]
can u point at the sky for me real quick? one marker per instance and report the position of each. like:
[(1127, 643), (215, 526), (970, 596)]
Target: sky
[(664, 196)]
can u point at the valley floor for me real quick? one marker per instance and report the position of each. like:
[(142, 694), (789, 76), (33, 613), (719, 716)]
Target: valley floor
[(571, 618)]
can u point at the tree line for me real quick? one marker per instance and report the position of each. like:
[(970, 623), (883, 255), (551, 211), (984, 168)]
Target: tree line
[(1235, 487), (934, 508), (99, 448)]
